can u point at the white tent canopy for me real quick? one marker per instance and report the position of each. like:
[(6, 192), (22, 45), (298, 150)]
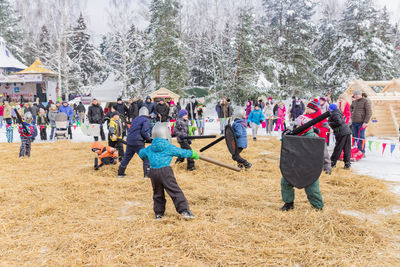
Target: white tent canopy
[(7, 60), (109, 90)]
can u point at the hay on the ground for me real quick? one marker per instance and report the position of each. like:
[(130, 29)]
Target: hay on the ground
[(56, 210)]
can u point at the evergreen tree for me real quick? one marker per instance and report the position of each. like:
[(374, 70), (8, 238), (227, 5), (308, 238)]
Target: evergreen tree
[(44, 47), (292, 33), (363, 49), (9, 29), (168, 59)]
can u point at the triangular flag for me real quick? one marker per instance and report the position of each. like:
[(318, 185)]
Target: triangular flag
[(363, 144), (87, 127), (383, 148), (392, 147), (358, 140), (377, 145), (74, 127), (369, 145), (78, 123), (41, 127), (92, 126)]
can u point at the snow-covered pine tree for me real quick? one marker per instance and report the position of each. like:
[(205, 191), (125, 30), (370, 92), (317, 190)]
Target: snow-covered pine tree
[(292, 33), (43, 48), (246, 73), (87, 63), (138, 67), (9, 29), (360, 52), (328, 36), (168, 59)]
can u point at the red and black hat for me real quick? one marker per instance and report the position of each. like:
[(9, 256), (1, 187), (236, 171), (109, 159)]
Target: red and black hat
[(313, 105)]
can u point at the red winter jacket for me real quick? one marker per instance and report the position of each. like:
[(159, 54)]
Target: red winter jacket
[(319, 125)]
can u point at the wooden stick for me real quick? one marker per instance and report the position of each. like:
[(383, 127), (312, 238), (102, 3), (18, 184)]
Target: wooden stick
[(212, 143), (219, 163)]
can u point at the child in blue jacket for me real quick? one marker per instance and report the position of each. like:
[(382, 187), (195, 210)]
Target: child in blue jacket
[(256, 117), (240, 128), (160, 154)]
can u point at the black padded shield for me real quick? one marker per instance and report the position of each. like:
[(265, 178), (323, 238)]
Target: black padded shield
[(302, 159), (231, 140)]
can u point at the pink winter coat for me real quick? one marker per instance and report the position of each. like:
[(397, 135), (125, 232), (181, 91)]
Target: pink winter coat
[(282, 112), (248, 108)]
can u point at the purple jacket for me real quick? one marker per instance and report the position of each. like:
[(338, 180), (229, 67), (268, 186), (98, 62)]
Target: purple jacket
[(249, 108)]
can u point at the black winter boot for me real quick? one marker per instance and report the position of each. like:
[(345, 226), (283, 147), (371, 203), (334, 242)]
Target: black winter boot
[(121, 172), (287, 206), (247, 165)]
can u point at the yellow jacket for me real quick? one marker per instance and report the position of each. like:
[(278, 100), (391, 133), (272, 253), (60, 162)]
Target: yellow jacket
[(115, 128)]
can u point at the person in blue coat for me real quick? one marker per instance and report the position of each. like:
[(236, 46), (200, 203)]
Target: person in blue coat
[(66, 108), (138, 135), (160, 154), (256, 117), (240, 128)]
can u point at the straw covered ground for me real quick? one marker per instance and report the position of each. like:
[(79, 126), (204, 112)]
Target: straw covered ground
[(57, 211)]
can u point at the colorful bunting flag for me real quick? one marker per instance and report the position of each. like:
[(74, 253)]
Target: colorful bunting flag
[(369, 145), (383, 146), (363, 144), (377, 145), (74, 127), (392, 148)]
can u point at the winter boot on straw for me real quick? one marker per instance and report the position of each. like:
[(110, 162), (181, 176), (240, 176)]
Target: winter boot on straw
[(287, 206)]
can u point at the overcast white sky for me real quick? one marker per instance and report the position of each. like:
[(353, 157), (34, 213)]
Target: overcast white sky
[(96, 11)]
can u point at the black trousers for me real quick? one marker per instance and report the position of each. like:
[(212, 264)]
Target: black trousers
[(190, 162), (102, 135), (43, 133), (130, 152), (238, 158), (343, 143), (119, 146), (163, 178)]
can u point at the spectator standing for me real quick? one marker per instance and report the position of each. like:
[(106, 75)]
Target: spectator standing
[(42, 124), (66, 108), (173, 115), (96, 116), (162, 111), (344, 107), (52, 119), (223, 108), (281, 117), (1, 114), (269, 114), (256, 117), (7, 115), (200, 122), (361, 113), (81, 110), (297, 109)]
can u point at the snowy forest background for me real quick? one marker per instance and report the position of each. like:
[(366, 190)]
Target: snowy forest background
[(262, 47)]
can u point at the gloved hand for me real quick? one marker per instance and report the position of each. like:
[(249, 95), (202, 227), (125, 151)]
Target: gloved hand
[(195, 155)]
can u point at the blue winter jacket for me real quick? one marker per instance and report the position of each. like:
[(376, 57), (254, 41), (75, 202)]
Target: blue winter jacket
[(239, 126), (256, 116), (67, 110), (139, 132), (161, 151)]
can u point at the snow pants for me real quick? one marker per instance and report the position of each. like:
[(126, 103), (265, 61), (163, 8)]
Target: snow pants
[(130, 152), (312, 191), (43, 132), (190, 162), (25, 149), (343, 143), (164, 179), (254, 129), (238, 158), (279, 124)]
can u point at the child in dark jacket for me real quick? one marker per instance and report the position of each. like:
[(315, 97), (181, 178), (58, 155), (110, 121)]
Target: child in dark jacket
[(240, 126), (342, 134), (27, 133), (42, 122), (160, 154), (138, 134), (181, 130)]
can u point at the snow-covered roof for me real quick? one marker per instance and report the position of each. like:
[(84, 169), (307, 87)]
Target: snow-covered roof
[(109, 90), (7, 60)]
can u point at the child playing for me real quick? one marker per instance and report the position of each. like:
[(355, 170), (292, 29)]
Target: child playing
[(256, 117), (281, 117), (42, 123), (160, 154), (27, 133), (239, 126), (312, 191), (106, 155), (181, 130), (115, 132), (342, 134), (9, 131)]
